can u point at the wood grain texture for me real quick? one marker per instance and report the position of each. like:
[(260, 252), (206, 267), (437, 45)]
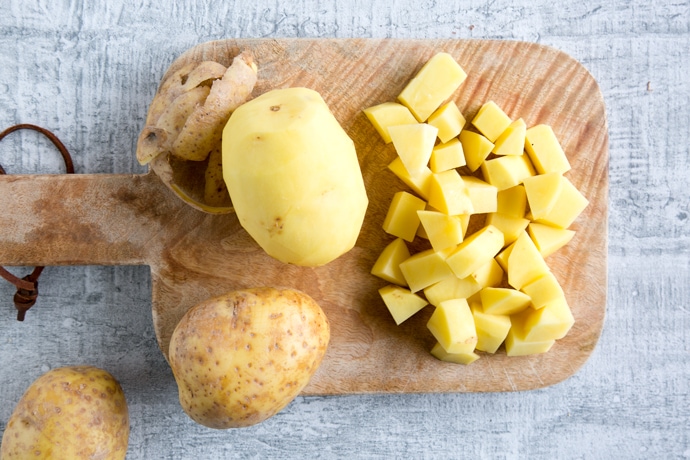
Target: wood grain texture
[(131, 220)]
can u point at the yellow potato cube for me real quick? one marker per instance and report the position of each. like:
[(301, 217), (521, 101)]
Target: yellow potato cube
[(542, 192), (451, 288), (503, 301), (401, 219), (435, 82), (482, 194), (448, 193), (512, 201), (489, 274), (552, 322), (545, 151), (387, 266), (502, 257), (447, 156), (414, 144), (507, 171), (475, 251), (442, 230), (425, 268), (388, 114), (401, 303), (419, 183), (458, 358), (491, 121), (452, 325), (525, 264), (476, 148), (568, 206), (512, 140), (544, 290), (492, 330), (549, 239), (448, 120), (510, 226), (516, 345)]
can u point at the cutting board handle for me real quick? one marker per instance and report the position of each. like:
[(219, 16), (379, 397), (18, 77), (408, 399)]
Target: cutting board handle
[(84, 219)]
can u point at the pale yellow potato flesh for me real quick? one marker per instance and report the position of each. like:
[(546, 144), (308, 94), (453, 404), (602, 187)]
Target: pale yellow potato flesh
[(240, 358), (294, 177), (75, 412)]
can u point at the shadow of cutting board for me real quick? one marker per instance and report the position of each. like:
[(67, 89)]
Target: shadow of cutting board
[(134, 219)]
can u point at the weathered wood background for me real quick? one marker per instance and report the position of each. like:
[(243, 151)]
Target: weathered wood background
[(88, 72)]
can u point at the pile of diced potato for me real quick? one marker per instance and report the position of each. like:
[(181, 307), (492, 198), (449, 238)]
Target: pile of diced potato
[(493, 286)]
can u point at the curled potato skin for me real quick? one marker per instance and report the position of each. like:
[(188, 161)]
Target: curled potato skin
[(204, 127), (204, 119), (181, 140)]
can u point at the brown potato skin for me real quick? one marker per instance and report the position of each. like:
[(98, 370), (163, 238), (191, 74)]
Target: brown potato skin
[(75, 412), (240, 358)]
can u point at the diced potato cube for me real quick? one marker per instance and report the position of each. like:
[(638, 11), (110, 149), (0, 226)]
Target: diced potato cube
[(489, 274), (435, 82), (512, 201), (512, 140), (510, 226), (482, 194), (552, 322), (516, 345), (447, 156), (449, 194), (525, 264), (475, 251), (387, 266), (507, 171), (503, 301), (544, 290), (388, 114), (476, 148), (458, 358), (492, 330), (419, 183), (442, 230), (502, 257), (401, 302), (491, 121), (545, 151), (549, 239), (425, 268), (452, 325), (542, 193), (402, 219), (451, 288), (569, 204), (448, 120), (414, 144)]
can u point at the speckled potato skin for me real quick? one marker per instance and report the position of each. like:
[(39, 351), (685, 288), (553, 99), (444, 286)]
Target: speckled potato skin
[(240, 358), (76, 412)]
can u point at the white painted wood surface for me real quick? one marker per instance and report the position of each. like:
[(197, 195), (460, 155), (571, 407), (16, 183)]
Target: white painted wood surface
[(88, 72)]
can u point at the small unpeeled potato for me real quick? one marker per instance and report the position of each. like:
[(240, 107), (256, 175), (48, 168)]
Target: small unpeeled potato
[(184, 125), (77, 412), (240, 358)]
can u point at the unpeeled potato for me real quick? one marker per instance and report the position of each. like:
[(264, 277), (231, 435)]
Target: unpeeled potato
[(240, 358), (76, 412)]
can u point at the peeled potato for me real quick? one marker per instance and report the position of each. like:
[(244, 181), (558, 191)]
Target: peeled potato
[(240, 358)]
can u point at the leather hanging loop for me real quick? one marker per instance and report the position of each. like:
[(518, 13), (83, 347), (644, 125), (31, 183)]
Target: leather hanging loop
[(27, 287)]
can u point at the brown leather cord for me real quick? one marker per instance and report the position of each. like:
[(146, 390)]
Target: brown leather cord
[(27, 287)]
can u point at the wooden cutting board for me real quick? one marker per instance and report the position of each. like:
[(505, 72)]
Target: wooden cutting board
[(135, 220)]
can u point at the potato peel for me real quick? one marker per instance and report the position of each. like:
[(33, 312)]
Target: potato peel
[(204, 127), (181, 140)]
